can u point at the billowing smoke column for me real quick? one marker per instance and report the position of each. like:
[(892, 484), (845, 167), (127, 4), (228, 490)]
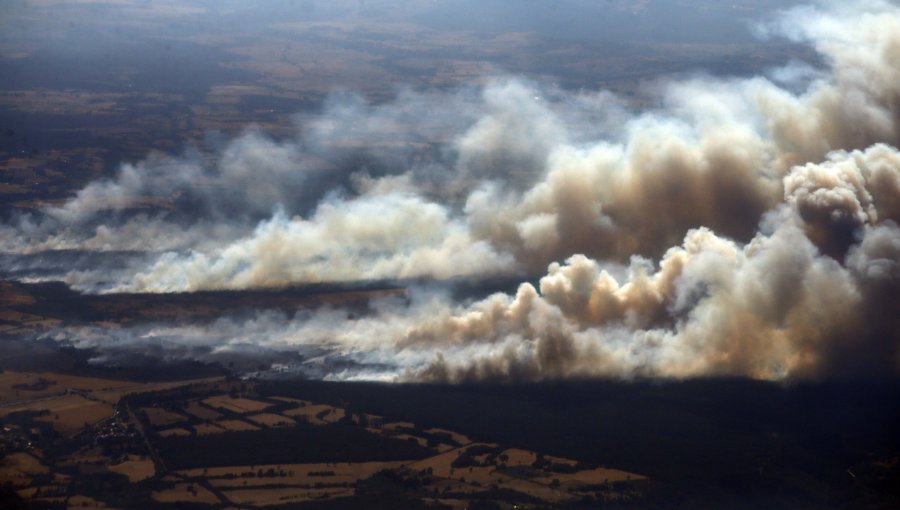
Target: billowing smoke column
[(772, 215)]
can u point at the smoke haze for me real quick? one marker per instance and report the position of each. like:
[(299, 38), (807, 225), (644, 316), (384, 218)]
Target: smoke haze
[(741, 226)]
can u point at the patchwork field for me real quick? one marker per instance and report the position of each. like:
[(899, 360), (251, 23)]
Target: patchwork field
[(176, 440), (236, 405), (15, 386), (67, 414)]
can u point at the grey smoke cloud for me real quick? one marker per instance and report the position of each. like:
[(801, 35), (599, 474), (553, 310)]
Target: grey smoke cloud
[(747, 226)]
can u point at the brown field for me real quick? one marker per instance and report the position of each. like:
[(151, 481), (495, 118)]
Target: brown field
[(440, 464), (160, 417), (107, 390), (534, 489), (459, 438), (17, 469), (407, 437), (205, 429), (519, 457), (592, 477), (271, 420), (560, 460), (27, 493), (135, 470), (295, 474), (90, 455), (245, 486), (186, 493), (68, 414), (58, 384), (294, 400), (177, 431), (70, 402), (269, 497), (201, 412), (12, 295), (236, 405), (236, 425), (85, 503), (479, 478), (311, 413), (394, 425), (60, 102)]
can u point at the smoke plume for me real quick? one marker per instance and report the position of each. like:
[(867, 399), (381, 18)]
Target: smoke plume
[(746, 226)]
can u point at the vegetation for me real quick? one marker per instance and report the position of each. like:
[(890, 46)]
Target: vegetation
[(295, 445), (703, 442)]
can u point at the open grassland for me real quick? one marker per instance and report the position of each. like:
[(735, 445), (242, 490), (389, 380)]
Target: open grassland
[(282, 496), (218, 443), (177, 431), (236, 405), (18, 469), (202, 412), (316, 414), (235, 425), (67, 414), (16, 386), (186, 493), (272, 420), (136, 470), (302, 475), (159, 417)]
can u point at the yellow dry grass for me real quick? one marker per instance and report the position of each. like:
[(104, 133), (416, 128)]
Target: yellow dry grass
[(236, 405), (59, 383), (18, 469), (293, 400), (408, 437), (439, 464), (236, 425), (269, 497), (160, 417), (534, 489), (519, 457), (311, 413), (27, 493), (398, 424), (201, 412), (87, 455), (136, 470), (177, 431), (68, 414), (459, 438), (186, 493), (295, 474), (592, 477), (560, 460), (205, 429), (475, 479), (271, 420)]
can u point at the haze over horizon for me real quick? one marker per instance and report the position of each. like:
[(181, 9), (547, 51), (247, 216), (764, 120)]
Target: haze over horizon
[(734, 213)]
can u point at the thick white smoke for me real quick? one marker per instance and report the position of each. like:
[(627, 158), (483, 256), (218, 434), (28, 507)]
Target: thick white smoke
[(772, 214)]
